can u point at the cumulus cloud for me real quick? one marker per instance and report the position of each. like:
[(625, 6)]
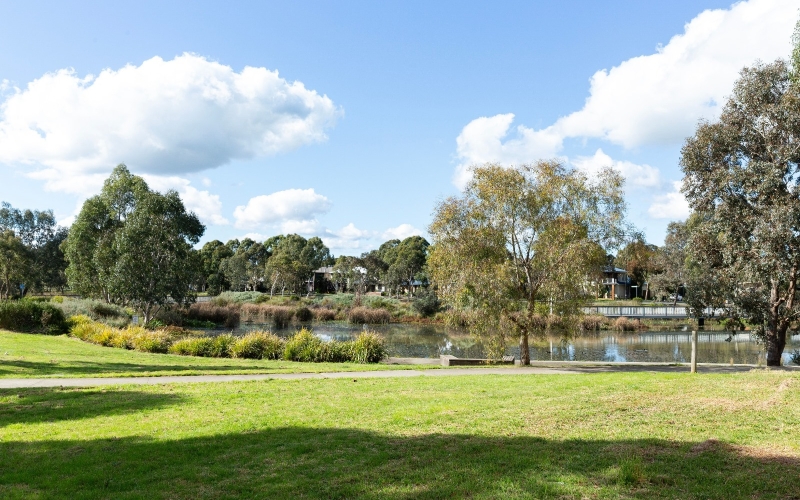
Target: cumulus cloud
[(671, 205), (635, 175), (207, 206), (161, 117), (401, 232), (650, 99), (298, 207), (348, 239)]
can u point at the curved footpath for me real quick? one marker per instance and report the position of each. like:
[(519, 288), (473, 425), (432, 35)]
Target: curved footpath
[(551, 368)]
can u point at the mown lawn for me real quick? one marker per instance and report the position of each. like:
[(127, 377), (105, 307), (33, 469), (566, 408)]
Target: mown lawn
[(618, 435), (26, 355)]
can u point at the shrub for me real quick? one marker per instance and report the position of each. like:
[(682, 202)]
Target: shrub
[(324, 314), (732, 324), (303, 346), (258, 345), (262, 298), (111, 314), (201, 346), (795, 357), (58, 299), (226, 298), (593, 322), (196, 323), (281, 315), (32, 317), (221, 315), (363, 315), (637, 300), (303, 314), (426, 302), (368, 347), (334, 352), (624, 324)]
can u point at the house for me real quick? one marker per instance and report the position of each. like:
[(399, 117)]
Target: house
[(615, 284)]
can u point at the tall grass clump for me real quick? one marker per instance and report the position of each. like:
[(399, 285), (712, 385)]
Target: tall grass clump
[(221, 315), (593, 322), (624, 324), (32, 317), (364, 315), (368, 347), (323, 314), (303, 346), (259, 345), (207, 347), (133, 337)]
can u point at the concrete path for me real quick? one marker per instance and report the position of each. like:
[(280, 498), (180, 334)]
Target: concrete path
[(556, 368)]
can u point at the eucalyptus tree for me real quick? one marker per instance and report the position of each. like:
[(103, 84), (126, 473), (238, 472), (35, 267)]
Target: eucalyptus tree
[(523, 236), (741, 179), (131, 245), (15, 262), (639, 259)]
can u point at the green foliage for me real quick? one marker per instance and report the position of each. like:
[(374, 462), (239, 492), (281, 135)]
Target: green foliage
[(32, 317), (221, 315), (95, 309), (133, 337), (303, 346), (426, 302), (732, 324), (208, 347), (303, 314), (196, 323), (368, 347), (134, 245), (741, 182), (631, 472), (259, 345), (238, 297), (519, 236)]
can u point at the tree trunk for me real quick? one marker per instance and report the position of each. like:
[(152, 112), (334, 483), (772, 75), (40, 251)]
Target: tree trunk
[(774, 343), (524, 351)]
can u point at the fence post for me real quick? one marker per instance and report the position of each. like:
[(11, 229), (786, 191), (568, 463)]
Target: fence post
[(694, 351)]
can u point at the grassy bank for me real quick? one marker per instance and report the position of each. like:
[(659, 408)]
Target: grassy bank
[(573, 436), (27, 355)]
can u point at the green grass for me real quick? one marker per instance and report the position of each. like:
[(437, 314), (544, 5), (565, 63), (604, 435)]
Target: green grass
[(618, 435), (27, 355)]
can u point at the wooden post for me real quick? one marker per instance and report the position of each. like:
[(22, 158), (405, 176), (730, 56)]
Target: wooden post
[(694, 351)]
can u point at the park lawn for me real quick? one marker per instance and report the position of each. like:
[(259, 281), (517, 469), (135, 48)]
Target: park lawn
[(613, 435), (25, 355)]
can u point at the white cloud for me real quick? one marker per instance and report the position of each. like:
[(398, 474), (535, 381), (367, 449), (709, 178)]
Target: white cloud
[(348, 238), (481, 141), (303, 227), (293, 206), (671, 205), (635, 175), (207, 206), (162, 117), (650, 99), (401, 232)]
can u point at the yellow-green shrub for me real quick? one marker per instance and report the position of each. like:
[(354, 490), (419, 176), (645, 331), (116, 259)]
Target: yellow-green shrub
[(258, 345)]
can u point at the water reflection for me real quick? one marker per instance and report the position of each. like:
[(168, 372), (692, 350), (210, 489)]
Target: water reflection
[(429, 341)]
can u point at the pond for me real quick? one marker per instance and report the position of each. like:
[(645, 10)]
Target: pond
[(429, 341)]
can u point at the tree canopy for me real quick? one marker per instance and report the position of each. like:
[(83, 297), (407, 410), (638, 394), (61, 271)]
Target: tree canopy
[(741, 179), (523, 236), (131, 245)]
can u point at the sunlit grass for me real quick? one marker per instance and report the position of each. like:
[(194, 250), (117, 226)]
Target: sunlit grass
[(618, 435), (26, 355)]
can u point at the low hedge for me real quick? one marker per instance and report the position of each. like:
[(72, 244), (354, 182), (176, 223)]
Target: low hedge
[(28, 316)]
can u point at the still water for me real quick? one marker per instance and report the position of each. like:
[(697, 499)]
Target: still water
[(429, 341)]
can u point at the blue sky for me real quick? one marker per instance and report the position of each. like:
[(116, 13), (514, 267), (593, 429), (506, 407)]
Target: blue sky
[(376, 108)]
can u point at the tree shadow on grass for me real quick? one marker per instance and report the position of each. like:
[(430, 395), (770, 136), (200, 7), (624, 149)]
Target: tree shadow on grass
[(106, 368), (293, 462), (55, 404)]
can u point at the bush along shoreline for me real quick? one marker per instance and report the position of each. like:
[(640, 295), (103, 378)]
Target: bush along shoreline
[(304, 346)]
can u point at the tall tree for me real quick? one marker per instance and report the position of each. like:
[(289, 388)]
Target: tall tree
[(407, 259), (131, 245), (670, 260), (638, 259), (15, 261), (741, 178), (521, 236)]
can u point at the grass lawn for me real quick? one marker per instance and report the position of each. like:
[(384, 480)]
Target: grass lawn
[(618, 435), (26, 355)]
